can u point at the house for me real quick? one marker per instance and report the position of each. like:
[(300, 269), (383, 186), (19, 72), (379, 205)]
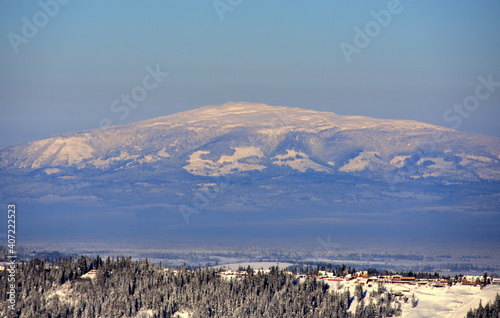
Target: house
[(385, 279), (363, 274), (403, 280), (471, 280), (441, 283)]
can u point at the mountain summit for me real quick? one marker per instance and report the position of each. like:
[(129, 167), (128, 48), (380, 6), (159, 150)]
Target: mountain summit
[(245, 170), (258, 138), (253, 156)]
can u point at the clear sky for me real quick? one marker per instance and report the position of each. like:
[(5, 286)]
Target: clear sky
[(75, 59)]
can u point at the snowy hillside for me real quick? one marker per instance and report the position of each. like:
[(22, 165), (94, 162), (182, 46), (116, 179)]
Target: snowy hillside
[(220, 140), (277, 154)]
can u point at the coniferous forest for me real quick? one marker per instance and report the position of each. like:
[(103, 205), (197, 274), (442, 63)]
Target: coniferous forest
[(489, 311), (122, 287)]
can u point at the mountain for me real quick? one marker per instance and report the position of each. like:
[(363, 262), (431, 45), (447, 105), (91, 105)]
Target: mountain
[(265, 140), (239, 157), (257, 175)]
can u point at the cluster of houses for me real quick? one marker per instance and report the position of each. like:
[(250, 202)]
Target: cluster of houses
[(477, 280), (363, 278)]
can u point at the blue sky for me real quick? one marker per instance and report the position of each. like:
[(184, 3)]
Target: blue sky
[(427, 58)]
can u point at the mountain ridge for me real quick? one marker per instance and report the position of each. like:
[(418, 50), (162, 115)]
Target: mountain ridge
[(215, 140), (241, 168)]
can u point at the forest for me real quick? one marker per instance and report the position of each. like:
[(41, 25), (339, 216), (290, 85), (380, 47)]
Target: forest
[(122, 287), (489, 311)]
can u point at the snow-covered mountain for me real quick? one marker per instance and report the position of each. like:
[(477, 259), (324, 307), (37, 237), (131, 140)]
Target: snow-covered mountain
[(269, 150), (220, 140)]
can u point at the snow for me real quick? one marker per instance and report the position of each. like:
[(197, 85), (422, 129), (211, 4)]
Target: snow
[(437, 163), (196, 129), (157, 124), (149, 313), (64, 294), (163, 153), (275, 131), (105, 163), (89, 275), (233, 109), (432, 174), (226, 164), (50, 171), (270, 127), (489, 174), (473, 157), (451, 301), (197, 165), (240, 153), (298, 160), (361, 162), (437, 302), (147, 159), (399, 161), (481, 165), (58, 151)]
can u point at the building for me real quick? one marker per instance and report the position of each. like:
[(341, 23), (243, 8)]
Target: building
[(396, 279), (471, 280)]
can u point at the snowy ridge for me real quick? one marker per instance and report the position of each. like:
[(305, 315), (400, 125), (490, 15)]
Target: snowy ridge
[(299, 161), (248, 137), (361, 162)]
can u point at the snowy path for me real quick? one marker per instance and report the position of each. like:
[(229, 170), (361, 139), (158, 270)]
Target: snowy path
[(448, 302)]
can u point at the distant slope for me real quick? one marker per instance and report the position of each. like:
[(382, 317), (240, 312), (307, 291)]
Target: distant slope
[(278, 157), (220, 140)]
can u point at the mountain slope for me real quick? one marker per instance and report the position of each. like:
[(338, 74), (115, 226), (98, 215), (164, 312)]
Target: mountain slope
[(259, 175), (236, 137), (241, 157)]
